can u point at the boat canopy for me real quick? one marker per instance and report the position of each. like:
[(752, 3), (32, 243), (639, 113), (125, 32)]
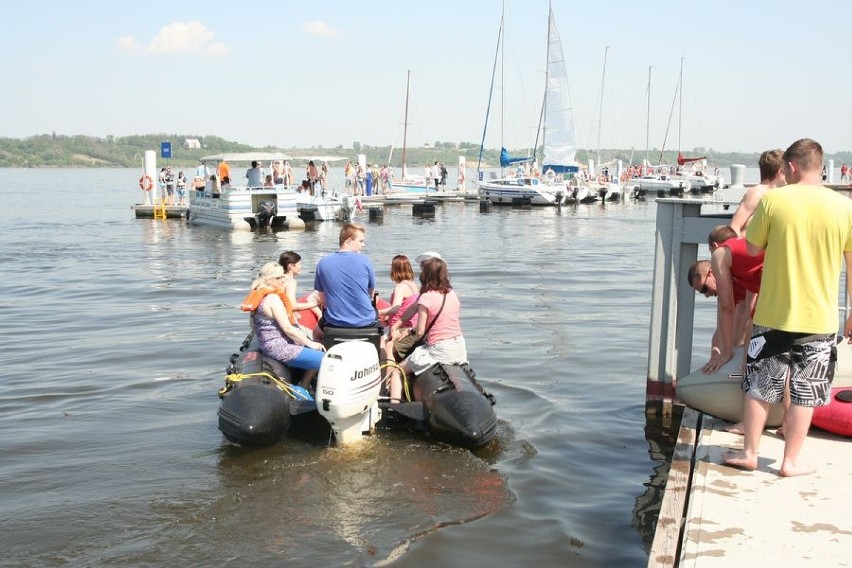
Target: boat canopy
[(245, 157), (681, 160), (506, 160), (317, 158)]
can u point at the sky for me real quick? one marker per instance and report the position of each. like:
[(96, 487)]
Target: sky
[(757, 74)]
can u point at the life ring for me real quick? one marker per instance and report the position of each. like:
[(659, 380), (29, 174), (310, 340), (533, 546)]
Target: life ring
[(146, 183)]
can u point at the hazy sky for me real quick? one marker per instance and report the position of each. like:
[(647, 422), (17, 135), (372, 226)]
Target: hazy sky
[(757, 73)]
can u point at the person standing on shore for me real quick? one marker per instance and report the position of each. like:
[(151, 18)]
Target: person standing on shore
[(771, 165), (804, 229)]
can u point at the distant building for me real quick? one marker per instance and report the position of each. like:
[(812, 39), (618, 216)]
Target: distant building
[(192, 144)]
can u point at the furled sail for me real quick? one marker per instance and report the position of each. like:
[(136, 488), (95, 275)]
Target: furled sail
[(506, 160), (560, 148)]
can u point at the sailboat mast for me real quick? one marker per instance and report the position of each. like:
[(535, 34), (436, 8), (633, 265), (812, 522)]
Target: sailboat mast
[(543, 120), (648, 121), (405, 122), (600, 109), (490, 95), (502, 89), (680, 104)]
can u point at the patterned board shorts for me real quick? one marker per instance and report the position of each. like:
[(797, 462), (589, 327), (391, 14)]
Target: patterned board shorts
[(807, 359)]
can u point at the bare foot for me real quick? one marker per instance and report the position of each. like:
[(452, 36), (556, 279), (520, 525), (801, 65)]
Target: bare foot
[(780, 431), (740, 459), (735, 428), (790, 469)]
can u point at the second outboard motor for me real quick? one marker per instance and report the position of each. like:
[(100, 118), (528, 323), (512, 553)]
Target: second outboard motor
[(347, 206), (265, 213)]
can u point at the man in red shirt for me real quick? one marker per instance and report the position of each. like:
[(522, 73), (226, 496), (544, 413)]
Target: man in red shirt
[(733, 277)]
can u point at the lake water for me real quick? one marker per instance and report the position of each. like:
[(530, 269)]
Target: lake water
[(116, 333)]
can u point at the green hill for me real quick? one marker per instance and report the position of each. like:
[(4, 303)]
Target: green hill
[(51, 150)]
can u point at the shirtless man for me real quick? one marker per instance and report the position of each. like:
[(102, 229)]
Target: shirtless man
[(805, 230), (771, 165)]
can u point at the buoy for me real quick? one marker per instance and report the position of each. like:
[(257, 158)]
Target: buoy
[(146, 183), (377, 214), (295, 224), (425, 209)]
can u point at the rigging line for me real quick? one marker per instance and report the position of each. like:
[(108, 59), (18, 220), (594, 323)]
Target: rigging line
[(671, 113), (698, 114), (490, 95), (648, 120), (600, 103)]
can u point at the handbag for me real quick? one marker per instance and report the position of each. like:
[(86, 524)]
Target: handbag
[(422, 340)]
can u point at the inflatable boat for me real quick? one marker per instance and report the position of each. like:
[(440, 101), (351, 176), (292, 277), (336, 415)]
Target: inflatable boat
[(261, 397), (836, 417), (721, 394)]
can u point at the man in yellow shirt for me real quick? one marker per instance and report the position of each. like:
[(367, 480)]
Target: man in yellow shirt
[(805, 230)]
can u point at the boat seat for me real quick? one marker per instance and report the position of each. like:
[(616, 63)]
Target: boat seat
[(334, 335)]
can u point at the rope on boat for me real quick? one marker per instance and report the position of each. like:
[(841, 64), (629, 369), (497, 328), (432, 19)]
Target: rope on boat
[(234, 378), (402, 372)]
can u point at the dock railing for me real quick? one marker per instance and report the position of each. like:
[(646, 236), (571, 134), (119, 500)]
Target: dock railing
[(681, 229)]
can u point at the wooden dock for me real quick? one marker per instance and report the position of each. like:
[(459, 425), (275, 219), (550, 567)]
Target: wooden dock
[(715, 515)]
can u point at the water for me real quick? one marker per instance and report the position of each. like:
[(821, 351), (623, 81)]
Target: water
[(116, 332)]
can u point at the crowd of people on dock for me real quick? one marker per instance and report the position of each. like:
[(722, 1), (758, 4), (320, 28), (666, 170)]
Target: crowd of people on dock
[(421, 323), (775, 273)]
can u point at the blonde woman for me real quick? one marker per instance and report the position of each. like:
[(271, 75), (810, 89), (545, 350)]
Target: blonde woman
[(279, 338)]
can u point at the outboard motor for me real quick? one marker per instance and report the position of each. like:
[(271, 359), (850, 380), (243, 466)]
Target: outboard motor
[(347, 206), (265, 213), (371, 335), (348, 388)]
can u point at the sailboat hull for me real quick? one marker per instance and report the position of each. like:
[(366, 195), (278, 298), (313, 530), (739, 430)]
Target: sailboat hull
[(523, 190)]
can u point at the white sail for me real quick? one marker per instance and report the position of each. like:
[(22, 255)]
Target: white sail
[(560, 148)]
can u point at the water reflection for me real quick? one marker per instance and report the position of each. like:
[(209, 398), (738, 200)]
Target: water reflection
[(366, 502), (661, 431)]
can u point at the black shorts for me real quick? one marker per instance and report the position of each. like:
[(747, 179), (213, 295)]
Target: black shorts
[(808, 360)]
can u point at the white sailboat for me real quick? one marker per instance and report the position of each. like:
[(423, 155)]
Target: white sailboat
[(660, 179), (523, 184), (699, 178), (408, 185)]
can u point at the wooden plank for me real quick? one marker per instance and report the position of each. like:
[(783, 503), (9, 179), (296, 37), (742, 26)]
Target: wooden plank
[(667, 536)]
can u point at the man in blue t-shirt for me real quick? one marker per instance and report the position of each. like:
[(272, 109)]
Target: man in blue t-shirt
[(345, 281)]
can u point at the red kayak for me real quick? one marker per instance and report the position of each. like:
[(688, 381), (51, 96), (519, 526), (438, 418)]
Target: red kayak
[(837, 416), (309, 320)]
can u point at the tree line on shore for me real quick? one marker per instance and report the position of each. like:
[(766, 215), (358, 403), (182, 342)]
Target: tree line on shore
[(52, 150)]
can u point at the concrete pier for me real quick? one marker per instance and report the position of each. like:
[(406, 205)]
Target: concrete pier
[(713, 515)]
